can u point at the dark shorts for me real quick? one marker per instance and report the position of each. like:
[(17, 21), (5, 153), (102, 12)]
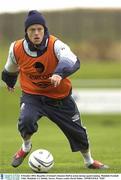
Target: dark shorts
[(63, 112)]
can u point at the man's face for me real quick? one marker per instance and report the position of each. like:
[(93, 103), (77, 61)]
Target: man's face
[(35, 33)]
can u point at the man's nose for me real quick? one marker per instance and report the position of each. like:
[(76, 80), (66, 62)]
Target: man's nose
[(36, 31)]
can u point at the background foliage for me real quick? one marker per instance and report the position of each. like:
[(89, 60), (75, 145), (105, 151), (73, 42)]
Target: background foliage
[(92, 34)]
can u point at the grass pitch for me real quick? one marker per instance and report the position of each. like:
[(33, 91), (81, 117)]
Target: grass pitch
[(104, 130), (104, 134)]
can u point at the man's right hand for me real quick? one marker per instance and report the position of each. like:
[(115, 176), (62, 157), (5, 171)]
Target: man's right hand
[(10, 79), (10, 89)]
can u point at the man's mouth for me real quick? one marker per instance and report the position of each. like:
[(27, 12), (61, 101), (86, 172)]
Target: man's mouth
[(37, 38)]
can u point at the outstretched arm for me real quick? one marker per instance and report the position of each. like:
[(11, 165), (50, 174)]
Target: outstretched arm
[(10, 72)]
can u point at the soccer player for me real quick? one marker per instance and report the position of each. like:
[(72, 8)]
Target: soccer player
[(43, 63)]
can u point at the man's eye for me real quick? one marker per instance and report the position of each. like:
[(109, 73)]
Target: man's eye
[(40, 29)]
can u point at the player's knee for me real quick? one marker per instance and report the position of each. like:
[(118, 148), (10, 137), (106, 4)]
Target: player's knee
[(27, 125), (26, 120)]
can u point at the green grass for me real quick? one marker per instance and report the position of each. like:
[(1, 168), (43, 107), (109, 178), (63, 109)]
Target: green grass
[(98, 70), (104, 134)]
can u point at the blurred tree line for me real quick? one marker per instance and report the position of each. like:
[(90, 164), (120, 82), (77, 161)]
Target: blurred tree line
[(92, 34)]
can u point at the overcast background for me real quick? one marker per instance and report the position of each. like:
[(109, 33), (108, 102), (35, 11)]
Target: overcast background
[(16, 6)]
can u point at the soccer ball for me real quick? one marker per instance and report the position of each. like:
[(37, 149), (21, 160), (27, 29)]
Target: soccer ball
[(41, 160)]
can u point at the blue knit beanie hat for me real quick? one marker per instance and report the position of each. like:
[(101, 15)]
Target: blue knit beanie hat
[(34, 17)]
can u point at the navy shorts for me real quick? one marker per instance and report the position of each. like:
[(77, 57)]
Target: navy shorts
[(63, 112)]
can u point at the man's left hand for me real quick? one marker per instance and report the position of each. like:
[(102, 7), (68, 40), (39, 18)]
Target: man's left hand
[(55, 80)]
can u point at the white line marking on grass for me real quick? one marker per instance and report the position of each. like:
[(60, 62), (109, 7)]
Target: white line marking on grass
[(98, 100)]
